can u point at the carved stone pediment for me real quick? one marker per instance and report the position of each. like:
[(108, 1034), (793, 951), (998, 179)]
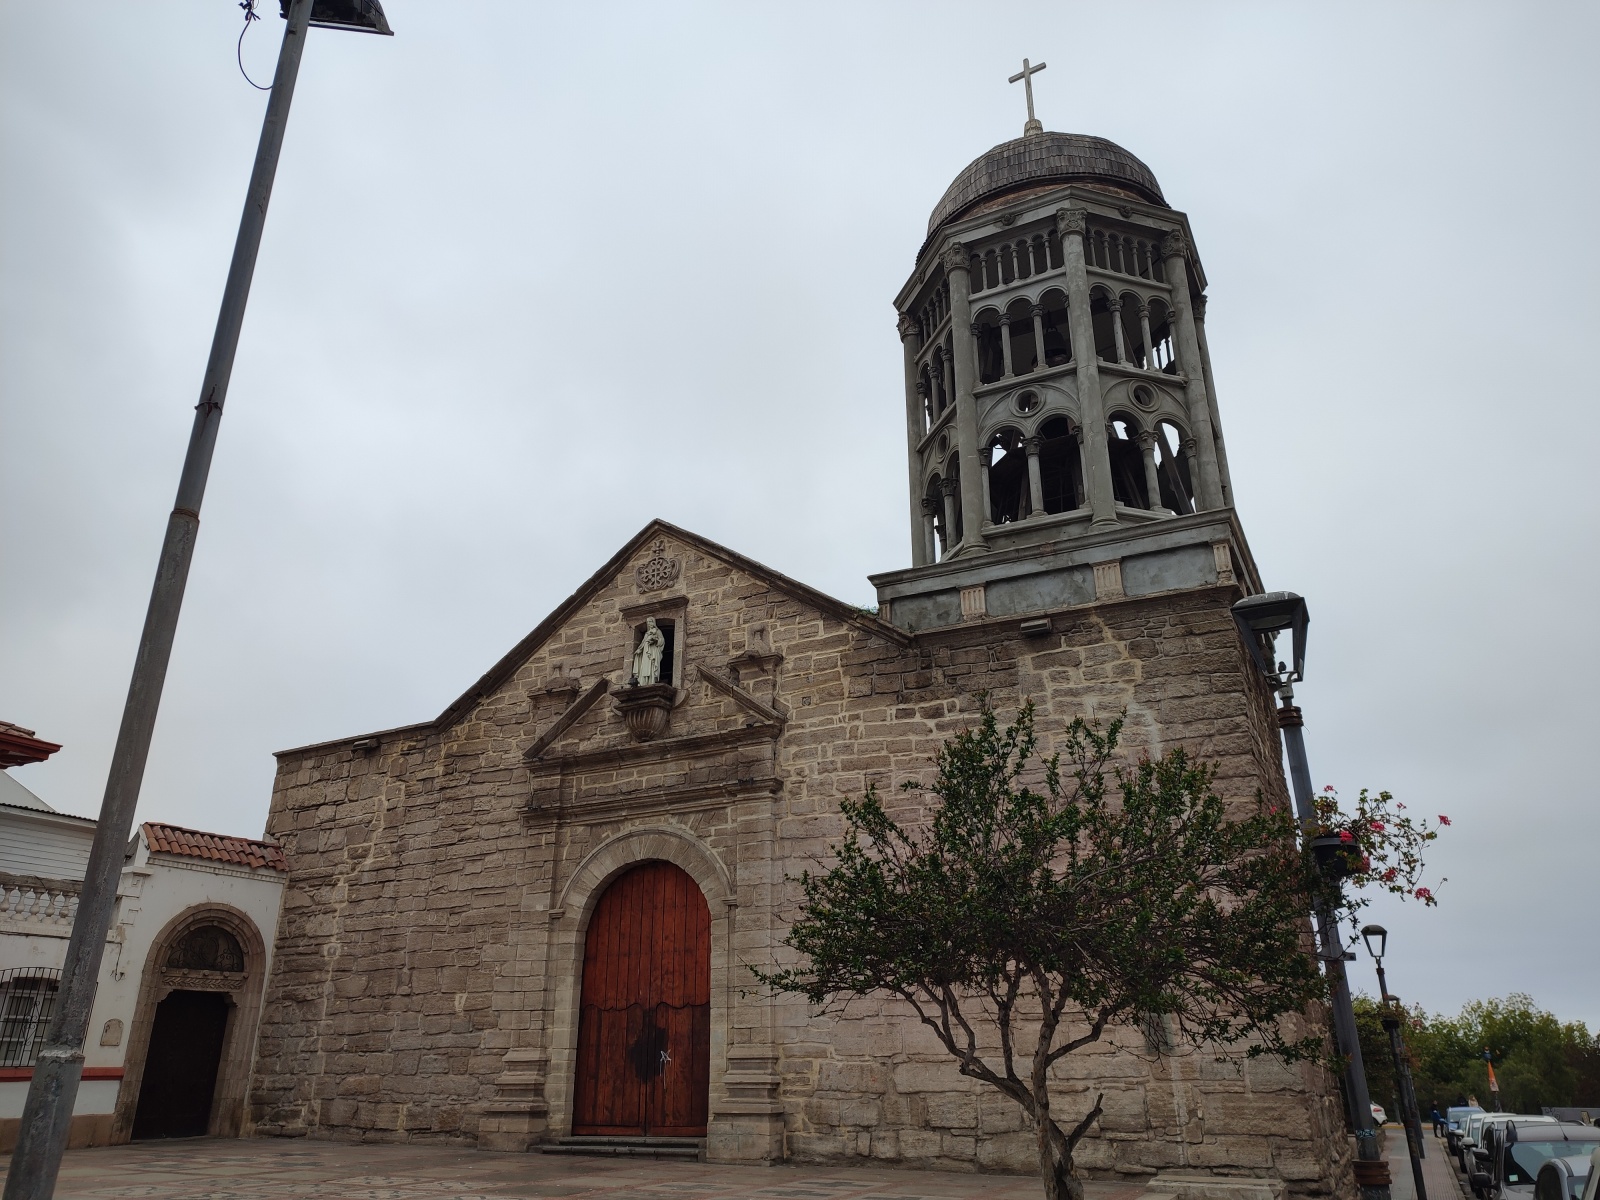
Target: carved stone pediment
[(706, 768)]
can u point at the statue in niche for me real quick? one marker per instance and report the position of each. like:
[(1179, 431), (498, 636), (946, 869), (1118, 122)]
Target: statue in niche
[(647, 657)]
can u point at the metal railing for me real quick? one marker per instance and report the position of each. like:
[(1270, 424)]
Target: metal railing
[(27, 998)]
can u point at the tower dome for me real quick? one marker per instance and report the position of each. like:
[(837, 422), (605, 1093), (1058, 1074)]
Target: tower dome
[(1044, 160)]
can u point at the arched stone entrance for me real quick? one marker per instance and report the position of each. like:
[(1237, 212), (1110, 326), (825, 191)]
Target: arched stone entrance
[(644, 1027), (194, 1029)]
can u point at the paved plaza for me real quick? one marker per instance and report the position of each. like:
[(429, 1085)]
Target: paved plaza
[(270, 1169), (277, 1169)]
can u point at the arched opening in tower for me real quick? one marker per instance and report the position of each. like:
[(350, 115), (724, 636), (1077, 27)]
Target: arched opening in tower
[(991, 354), (1060, 467), (1009, 491), (1172, 468), (1025, 358), (1057, 330), (1128, 483), (1100, 317)]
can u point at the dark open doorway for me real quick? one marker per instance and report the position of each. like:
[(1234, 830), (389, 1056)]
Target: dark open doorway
[(180, 1067)]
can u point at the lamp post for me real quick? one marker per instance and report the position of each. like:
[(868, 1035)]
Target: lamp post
[(1260, 620), (47, 1114), (1377, 940)]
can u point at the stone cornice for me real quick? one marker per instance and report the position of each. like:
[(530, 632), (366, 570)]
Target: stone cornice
[(692, 746), (657, 799)]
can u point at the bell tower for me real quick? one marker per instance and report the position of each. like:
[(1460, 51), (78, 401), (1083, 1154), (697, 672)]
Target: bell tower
[(1062, 437)]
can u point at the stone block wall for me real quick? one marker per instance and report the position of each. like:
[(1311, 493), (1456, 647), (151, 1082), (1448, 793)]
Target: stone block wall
[(426, 981)]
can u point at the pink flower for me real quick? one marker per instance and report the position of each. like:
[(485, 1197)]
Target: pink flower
[(1443, 820), (1423, 894), (1399, 806), (1388, 876), (1327, 787), (1377, 826), (1346, 836)]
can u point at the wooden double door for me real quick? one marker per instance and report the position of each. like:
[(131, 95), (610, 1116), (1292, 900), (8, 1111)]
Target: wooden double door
[(644, 1027)]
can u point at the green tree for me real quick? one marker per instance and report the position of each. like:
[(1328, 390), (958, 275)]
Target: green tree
[(1021, 921), (1539, 1060)]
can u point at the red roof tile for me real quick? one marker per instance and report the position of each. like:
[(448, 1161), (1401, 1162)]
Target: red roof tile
[(192, 843)]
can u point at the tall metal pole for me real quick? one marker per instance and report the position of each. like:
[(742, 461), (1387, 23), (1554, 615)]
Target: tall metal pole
[(47, 1115), (1402, 1081), (1344, 1014)]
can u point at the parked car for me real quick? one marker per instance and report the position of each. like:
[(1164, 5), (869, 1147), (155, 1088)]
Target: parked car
[(1379, 1117), (1516, 1151), (1474, 1153), (1573, 1177), (1461, 1147), (1455, 1119)]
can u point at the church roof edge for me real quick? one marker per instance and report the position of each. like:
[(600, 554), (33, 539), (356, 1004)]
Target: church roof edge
[(502, 670)]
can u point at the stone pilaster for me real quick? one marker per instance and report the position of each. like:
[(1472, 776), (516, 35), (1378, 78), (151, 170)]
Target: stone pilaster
[(1070, 224), (909, 339), (1208, 483), (1211, 400), (958, 271)]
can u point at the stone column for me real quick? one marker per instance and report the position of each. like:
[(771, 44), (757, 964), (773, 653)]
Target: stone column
[(1211, 399), (1149, 349), (1208, 483), (914, 433), (964, 376), (1035, 483), (947, 488), (1152, 481), (1116, 331), (1005, 345), (930, 538), (950, 370), (1038, 336), (1096, 455), (986, 460)]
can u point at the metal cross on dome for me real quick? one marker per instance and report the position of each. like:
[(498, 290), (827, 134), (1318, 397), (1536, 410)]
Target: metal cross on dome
[(1026, 76)]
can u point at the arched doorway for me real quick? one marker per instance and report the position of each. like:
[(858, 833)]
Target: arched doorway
[(184, 1055), (644, 1026)]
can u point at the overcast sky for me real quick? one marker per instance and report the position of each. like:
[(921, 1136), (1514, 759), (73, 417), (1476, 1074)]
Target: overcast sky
[(534, 275)]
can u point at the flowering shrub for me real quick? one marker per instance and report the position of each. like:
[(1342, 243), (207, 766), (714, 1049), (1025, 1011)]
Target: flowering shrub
[(1380, 844)]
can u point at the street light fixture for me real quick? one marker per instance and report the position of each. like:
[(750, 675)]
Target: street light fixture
[(1377, 940), (1369, 934), (357, 16), (1260, 620), (58, 1067)]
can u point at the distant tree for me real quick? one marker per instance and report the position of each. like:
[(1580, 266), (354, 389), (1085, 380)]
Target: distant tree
[(1539, 1060), (1020, 920)]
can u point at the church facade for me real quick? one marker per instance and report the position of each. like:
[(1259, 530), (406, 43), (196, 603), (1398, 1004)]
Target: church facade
[(531, 919)]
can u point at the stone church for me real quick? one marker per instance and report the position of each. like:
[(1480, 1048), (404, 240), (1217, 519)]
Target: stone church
[(529, 921)]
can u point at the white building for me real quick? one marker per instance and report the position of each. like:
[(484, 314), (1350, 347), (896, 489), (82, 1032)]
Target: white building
[(173, 1033)]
